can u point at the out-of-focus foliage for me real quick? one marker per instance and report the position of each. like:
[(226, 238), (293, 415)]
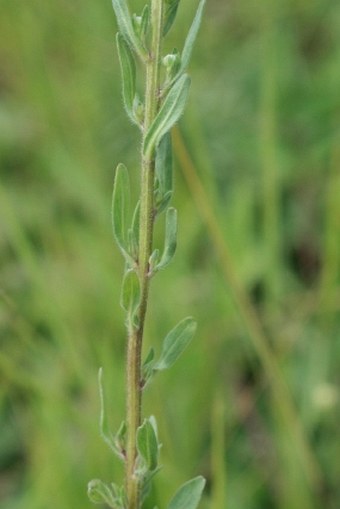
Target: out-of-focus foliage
[(260, 238)]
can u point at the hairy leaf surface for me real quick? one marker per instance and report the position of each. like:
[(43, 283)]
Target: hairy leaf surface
[(125, 25)]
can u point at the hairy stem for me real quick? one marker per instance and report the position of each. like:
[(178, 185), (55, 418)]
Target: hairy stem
[(135, 339)]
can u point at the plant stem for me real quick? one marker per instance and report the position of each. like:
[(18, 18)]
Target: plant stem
[(135, 336)]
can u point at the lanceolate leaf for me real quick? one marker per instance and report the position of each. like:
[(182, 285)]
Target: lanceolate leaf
[(189, 495), (170, 242), (128, 70), (103, 424), (164, 164), (191, 37), (145, 24), (171, 7), (171, 110), (130, 295), (163, 173), (115, 442), (135, 222), (120, 205), (125, 25), (147, 445), (175, 343)]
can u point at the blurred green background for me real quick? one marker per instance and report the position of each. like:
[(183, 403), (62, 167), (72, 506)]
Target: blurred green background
[(254, 403)]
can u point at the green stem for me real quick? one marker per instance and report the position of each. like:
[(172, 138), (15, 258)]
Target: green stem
[(135, 340)]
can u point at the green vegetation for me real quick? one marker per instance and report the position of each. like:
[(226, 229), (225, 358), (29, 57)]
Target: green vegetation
[(254, 407), (137, 443)]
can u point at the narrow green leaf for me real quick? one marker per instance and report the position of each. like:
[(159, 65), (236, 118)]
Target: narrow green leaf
[(170, 241), (103, 422), (147, 445), (163, 173), (189, 495), (169, 113), (128, 71), (115, 442), (175, 343), (164, 164), (171, 7), (130, 296), (191, 37), (120, 206), (135, 222), (125, 26), (101, 493), (145, 24)]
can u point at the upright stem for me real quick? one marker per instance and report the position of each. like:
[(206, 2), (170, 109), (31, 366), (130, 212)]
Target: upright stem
[(135, 339)]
